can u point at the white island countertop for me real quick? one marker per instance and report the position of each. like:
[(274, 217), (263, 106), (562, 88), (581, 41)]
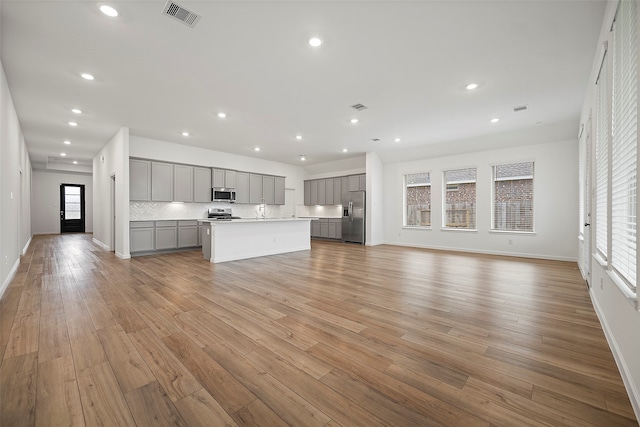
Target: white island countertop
[(235, 239)]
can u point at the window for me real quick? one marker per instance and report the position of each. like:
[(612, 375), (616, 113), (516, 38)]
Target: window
[(602, 159), (460, 199), (418, 197), (513, 197), (624, 141)]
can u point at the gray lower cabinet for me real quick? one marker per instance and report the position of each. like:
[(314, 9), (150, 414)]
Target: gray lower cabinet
[(139, 180), (242, 187), (335, 228), (166, 235), (324, 228), (187, 234), (315, 228), (141, 236), (327, 228)]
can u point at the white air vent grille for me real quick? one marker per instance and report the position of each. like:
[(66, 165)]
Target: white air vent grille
[(179, 13), (359, 107), (520, 108)]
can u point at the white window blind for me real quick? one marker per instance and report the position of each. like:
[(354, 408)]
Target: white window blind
[(602, 158), (513, 197), (624, 130), (581, 186), (460, 198)]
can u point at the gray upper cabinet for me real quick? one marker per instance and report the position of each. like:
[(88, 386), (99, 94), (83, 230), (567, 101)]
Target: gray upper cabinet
[(269, 190), (223, 178), (182, 183), (307, 193), (242, 187), (363, 182), (161, 182), (322, 192), (329, 200), (201, 184), (313, 198), (255, 188), (337, 191), (354, 182), (279, 190), (139, 180), (345, 185)]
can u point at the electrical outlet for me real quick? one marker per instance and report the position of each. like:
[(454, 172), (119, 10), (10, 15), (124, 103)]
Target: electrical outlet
[(511, 241)]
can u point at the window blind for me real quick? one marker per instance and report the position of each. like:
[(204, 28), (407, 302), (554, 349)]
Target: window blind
[(513, 197), (602, 158), (460, 198), (624, 130)]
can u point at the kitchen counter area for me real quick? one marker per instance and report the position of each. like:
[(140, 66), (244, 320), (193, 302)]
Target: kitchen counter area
[(235, 239)]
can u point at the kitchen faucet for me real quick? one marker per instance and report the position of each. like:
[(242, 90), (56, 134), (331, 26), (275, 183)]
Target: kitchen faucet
[(263, 208)]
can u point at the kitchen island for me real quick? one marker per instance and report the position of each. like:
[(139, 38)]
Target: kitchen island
[(249, 238)]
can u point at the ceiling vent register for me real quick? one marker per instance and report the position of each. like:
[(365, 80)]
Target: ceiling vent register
[(359, 107), (180, 13), (520, 108)]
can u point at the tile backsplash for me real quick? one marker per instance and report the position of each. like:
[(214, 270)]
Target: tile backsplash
[(163, 210)]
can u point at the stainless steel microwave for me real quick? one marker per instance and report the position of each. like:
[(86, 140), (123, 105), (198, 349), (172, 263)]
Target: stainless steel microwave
[(223, 195)]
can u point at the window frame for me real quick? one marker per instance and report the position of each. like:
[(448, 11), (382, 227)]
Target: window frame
[(404, 202), (445, 191), (492, 228)]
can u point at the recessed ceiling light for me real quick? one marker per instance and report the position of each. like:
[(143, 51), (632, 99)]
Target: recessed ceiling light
[(75, 162), (67, 142), (222, 115), (73, 124), (472, 86), (315, 41), (76, 110), (256, 149), (303, 158), (495, 120), (298, 137), (63, 154), (396, 140), (354, 121), (109, 11), (87, 76), (185, 133), (344, 150)]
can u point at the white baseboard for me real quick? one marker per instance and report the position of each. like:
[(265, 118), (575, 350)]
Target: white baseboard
[(102, 245), (627, 379), (485, 252), (123, 256), (10, 277), (24, 250)]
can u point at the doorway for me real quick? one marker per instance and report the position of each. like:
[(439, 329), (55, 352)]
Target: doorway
[(72, 217)]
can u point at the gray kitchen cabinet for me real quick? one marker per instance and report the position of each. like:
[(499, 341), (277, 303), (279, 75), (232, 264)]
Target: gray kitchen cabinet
[(335, 228), (331, 233), (363, 182), (224, 178), (161, 182), (329, 197), (345, 184), (354, 182), (337, 191), (187, 234), (322, 192), (141, 236), (242, 187), (324, 228), (279, 190), (201, 184), (139, 180), (315, 228), (182, 183), (200, 228), (307, 193), (313, 193), (269, 190), (166, 235), (255, 188)]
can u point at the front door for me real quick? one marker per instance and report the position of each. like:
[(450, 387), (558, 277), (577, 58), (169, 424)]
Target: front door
[(71, 208)]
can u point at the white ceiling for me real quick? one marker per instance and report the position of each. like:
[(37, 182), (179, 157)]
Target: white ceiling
[(407, 61)]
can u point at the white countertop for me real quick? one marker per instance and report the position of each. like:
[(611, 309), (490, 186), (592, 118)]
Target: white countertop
[(254, 220)]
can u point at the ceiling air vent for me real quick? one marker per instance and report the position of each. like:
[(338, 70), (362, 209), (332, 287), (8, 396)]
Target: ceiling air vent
[(375, 139), (520, 108), (179, 13), (359, 107)]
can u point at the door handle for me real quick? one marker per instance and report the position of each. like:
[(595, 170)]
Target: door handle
[(61, 214), (586, 224)]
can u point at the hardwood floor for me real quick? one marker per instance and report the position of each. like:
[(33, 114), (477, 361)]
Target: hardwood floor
[(342, 335)]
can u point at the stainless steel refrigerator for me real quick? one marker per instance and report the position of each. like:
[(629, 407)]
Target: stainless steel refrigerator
[(353, 216)]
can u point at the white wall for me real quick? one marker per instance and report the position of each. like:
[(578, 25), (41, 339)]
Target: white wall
[(112, 160), (350, 166), (375, 201), (15, 188), (555, 203), (46, 200), (619, 316)]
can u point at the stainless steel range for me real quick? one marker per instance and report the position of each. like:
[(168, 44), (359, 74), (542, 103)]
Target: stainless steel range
[(221, 214)]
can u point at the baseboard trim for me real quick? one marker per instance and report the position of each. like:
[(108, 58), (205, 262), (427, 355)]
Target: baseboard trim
[(10, 277), (102, 245), (632, 390), (122, 256), (485, 252), (24, 250)]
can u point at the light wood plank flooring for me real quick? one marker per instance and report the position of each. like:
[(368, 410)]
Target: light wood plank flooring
[(343, 335)]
